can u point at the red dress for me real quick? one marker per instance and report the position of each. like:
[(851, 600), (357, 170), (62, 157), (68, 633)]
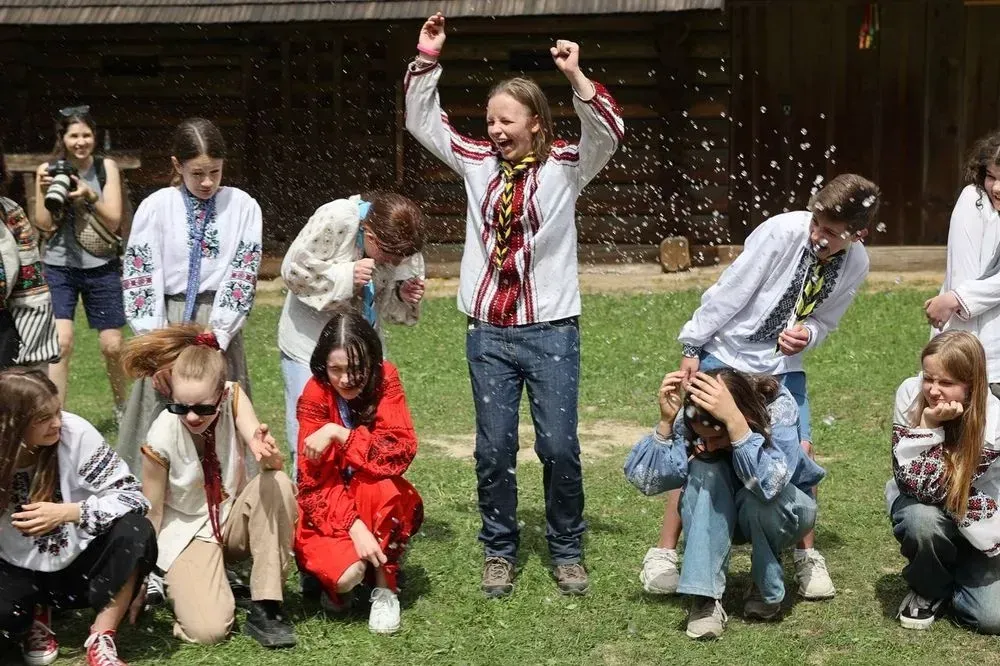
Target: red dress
[(378, 455)]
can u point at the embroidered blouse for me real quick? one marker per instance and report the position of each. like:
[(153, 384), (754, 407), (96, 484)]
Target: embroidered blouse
[(91, 474), (538, 279), (742, 314), (384, 449), (185, 506), (918, 469), (318, 270), (155, 265), (763, 470)]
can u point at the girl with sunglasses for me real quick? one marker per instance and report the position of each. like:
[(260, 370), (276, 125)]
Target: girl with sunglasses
[(731, 442), (356, 440), (213, 475)]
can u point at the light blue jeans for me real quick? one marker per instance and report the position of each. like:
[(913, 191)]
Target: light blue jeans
[(717, 511), (296, 375)]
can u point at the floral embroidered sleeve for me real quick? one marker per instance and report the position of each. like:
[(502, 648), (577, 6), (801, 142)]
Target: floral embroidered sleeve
[(319, 265), (602, 129), (764, 470), (388, 447), (142, 271), (235, 296), (324, 501), (112, 489)]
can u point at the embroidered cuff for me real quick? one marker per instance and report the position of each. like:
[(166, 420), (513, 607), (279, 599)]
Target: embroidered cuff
[(660, 439), (690, 351), (421, 66), (963, 310), (745, 439)]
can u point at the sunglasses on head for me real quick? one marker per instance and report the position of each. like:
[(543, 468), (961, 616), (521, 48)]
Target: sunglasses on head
[(71, 111), (180, 409)]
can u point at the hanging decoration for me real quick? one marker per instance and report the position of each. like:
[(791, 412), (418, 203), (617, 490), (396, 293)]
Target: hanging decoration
[(869, 27)]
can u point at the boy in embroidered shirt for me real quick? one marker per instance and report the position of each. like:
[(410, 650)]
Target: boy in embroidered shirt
[(783, 295)]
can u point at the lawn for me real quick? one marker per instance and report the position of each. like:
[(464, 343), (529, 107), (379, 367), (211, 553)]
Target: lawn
[(628, 343)]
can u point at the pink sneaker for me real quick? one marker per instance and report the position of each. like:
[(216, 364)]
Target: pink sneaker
[(40, 647), (101, 650)]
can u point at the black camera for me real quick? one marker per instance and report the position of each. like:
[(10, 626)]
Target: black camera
[(62, 184)]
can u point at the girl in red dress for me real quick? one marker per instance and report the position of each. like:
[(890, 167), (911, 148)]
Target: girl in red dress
[(356, 440)]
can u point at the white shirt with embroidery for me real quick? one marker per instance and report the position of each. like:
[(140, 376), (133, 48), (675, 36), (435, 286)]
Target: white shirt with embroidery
[(91, 474), (156, 260), (742, 314), (318, 270)]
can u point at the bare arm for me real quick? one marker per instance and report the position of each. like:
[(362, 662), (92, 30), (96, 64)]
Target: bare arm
[(43, 218), (154, 487), (256, 435)]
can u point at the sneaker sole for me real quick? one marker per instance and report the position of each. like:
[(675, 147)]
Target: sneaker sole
[(914, 623), (43, 660), (574, 591), (818, 597), (384, 632), (497, 592), (650, 588), (765, 617), (268, 641), (702, 637)]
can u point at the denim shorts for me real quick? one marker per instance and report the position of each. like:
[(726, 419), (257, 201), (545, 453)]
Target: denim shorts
[(100, 287)]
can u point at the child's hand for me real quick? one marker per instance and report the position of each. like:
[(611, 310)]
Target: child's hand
[(363, 270), (933, 417), (793, 340), (689, 366), (670, 397), (712, 395), (566, 55), (365, 545), (412, 291), (265, 448), (941, 308), (42, 517), (432, 34)]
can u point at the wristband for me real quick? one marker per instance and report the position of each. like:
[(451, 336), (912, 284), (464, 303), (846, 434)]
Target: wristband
[(427, 51)]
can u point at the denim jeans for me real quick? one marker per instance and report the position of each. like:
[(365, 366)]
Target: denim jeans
[(295, 375), (944, 565), (545, 357), (717, 511), (795, 382)]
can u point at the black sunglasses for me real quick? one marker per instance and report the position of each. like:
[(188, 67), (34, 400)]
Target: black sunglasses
[(180, 409), (71, 111)]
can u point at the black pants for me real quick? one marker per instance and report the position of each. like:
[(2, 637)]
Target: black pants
[(90, 581)]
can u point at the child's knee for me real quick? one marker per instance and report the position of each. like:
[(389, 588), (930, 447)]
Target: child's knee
[(351, 578)]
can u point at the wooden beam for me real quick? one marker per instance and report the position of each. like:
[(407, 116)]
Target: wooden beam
[(28, 162)]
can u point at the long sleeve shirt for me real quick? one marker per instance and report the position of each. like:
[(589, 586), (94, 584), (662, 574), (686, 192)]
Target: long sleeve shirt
[(91, 474), (155, 265), (742, 315), (383, 449), (318, 270), (973, 237), (918, 468), (538, 279)]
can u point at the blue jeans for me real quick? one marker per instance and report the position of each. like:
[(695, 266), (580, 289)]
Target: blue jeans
[(546, 358), (717, 511), (295, 375), (944, 565), (795, 382)]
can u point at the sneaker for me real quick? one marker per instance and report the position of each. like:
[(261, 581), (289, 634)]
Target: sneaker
[(498, 577), (916, 612), (335, 604), (660, 574), (240, 589), (156, 591), (102, 651), (706, 619), (813, 576), (755, 607), (40, 647), (384, 615), (571, 578), (267, 624)]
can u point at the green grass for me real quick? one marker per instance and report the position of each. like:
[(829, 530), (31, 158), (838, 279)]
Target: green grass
[(628, 343)]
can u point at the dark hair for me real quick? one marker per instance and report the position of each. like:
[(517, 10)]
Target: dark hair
[(751, 393), (984, 154), (195, 137), (24, 396), (63, 123), (350, 331), (397, 223), (848, 199)]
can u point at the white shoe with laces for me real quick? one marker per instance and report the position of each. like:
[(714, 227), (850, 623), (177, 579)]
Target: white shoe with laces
[(813, 576), (40, 647), (384, 616), (660, 574)]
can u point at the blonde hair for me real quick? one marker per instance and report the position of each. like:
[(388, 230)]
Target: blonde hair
[(25, 396), (963, 358), (528, 93), (186, 348)]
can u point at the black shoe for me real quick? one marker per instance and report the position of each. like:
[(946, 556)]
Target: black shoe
[(311, 588), (240, 589), (267, 624)]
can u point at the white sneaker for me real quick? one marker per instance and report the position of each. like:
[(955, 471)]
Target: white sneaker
[(812, 575), (384, 616), (660, 574), (917, 612), (156, 590)]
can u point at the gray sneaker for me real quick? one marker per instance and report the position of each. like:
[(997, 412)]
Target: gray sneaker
[(755, 607), (498, 577), (571, 578), (660, 574), (706, 619)]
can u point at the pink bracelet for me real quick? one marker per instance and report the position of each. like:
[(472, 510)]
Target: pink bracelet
[(428, 52)]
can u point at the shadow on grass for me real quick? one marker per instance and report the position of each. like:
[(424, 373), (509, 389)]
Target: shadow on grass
[(890, 590), (435, 530), (533, 540)]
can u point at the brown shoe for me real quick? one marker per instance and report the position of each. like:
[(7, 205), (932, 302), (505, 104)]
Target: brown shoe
[(571, 578), (498, 577)]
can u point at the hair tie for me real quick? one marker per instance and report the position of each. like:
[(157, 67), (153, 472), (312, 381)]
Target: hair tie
[(207, 339)]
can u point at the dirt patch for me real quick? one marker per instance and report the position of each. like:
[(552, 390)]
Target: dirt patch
[(598, 439)]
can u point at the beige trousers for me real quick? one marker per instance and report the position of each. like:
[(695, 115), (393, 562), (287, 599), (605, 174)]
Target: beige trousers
[(261, 526)]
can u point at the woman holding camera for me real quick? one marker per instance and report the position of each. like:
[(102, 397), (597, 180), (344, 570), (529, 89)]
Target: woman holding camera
[(70, 270)]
